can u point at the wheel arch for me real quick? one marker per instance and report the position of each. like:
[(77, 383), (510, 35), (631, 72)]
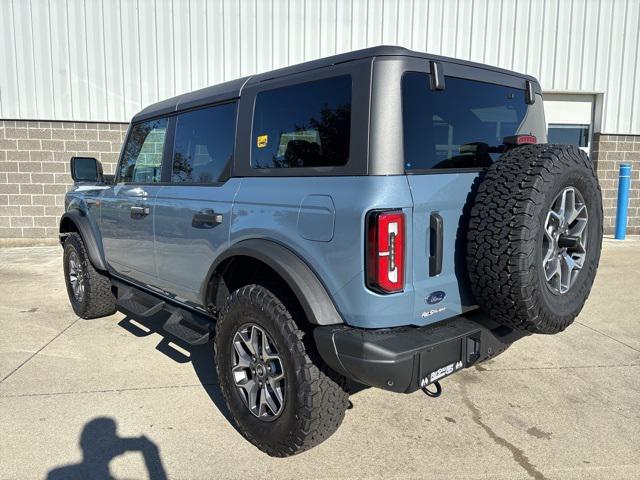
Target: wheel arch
[(76, 221), (298, 277)]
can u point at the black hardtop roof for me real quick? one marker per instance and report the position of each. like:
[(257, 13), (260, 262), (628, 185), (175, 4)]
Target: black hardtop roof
[(231, 89)]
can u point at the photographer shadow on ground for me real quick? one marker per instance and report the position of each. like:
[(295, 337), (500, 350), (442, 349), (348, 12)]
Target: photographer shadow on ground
[(100, 444)]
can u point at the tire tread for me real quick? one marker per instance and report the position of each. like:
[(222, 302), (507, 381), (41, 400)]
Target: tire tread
[(322, 398), (99, 298), (503, 232)]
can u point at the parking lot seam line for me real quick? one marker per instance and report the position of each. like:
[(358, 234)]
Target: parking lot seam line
[(568, 367), (112, 390), (518, 454), (190, 385), (39, 350), (608, 336)]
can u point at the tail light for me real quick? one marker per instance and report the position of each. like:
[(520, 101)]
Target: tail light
[(385, 251)]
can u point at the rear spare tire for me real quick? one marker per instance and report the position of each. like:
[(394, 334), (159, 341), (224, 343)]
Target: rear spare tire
[(534, 237)]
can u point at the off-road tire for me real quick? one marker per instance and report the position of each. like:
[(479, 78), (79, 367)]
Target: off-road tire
[(505, 236), (315, 401), (98, 300)]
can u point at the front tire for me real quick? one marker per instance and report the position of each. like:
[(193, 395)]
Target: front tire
[(89, 290), (311, 403)]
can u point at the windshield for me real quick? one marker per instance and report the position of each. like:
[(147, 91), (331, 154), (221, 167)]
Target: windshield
[(462, 126)]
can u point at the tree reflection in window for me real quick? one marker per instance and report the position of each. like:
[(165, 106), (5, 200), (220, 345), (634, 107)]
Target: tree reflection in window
[(203, 144), (303, 125)]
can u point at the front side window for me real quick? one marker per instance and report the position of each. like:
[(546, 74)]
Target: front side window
[(462, 126), (142, 158), (303, 125), (203, 144)]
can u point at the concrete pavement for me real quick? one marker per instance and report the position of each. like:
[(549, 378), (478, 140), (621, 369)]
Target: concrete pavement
[(78, 397)]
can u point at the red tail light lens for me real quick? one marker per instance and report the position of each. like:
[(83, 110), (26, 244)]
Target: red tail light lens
[(385, 251)]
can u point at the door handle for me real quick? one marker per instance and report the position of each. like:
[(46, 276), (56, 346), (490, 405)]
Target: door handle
[(206, 219), (435, 244), (139, 212)]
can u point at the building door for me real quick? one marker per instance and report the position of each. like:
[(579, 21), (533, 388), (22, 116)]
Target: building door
[(570, 119)]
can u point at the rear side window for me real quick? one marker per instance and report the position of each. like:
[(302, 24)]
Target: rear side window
[(458, 127), (303, 125), (203, 144), (142, 159)]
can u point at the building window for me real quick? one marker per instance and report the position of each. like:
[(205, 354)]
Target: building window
[(303, 125), (204, 144), (577, 135)]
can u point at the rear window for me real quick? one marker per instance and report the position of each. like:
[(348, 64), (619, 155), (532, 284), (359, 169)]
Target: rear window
[(459, 126), (303, 125)]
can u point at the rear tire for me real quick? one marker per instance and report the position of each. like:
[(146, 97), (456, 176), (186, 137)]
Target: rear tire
[(314, 401), (89, 290), (511, 237)]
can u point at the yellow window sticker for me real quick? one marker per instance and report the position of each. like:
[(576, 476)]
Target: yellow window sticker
[(262, 140)]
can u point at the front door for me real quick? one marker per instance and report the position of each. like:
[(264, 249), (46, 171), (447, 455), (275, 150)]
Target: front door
[(127, 209), (193, 212)]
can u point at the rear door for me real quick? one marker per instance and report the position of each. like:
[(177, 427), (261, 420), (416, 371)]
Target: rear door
[(193, 211), (126, 211), (449, 138)]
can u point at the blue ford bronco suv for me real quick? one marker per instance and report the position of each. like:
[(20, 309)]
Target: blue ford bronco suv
[(382, 218)]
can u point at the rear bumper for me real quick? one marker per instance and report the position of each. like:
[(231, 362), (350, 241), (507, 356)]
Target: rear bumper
[(403, 359)]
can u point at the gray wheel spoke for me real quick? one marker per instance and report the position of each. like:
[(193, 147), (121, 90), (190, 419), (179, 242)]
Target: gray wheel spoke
[(267, 351), (252, 388), (255, 341), (276, 377), (578, 227), (244, 358), (275, 386), (269, 400), (76, 279), (553, 268), (258, 372), (562, 205), (245, 337), (564, 242)]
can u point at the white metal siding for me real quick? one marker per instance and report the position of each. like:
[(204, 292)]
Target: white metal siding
[(104, 60)]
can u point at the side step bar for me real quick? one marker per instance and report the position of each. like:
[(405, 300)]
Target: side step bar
[(127, 300), (189, 326)]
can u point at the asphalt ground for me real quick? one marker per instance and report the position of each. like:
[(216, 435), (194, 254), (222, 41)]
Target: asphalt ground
[(112, 396)]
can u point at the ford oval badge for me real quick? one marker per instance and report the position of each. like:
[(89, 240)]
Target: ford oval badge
[(435, 297)]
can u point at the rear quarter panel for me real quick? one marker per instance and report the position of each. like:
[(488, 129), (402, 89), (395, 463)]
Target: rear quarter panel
[(296, 213)]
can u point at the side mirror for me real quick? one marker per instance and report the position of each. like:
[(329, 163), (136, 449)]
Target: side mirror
[(86, 169)]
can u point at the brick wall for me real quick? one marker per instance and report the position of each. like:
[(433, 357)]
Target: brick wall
[(608, 152), (34, 170)]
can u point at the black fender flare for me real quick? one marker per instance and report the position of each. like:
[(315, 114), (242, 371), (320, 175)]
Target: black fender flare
[(86, 230), (301, 279)]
